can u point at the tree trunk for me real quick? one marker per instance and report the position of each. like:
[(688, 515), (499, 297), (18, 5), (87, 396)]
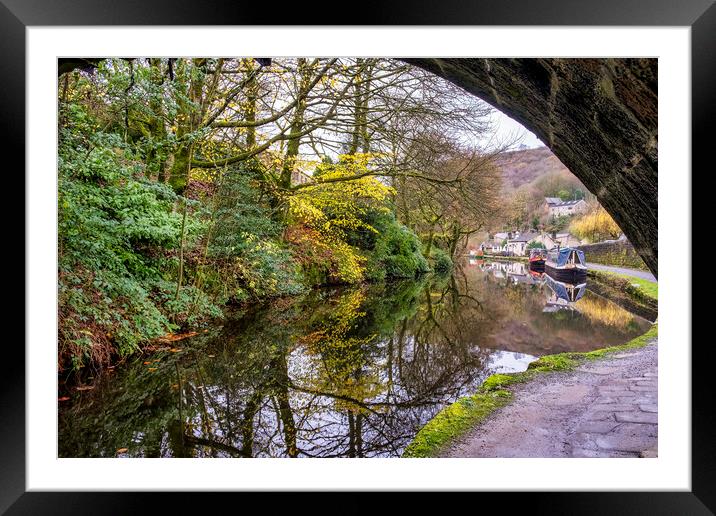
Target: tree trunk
[(180, 279), (252, 90), (357, 105), (188, 120), (429, 244), (156, 159), (294, 143)]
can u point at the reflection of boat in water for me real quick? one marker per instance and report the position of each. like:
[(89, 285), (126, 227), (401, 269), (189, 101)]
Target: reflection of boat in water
[(537, 258), (566, 264), (564, 294), (537, 274)]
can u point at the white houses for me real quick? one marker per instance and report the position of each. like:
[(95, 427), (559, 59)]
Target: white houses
[(492, 246), (517, 242), (559, 208), (517, 245), (545, 239), (298, 177)]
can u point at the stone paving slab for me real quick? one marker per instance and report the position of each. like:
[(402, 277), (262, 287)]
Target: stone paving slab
[(605, 408)]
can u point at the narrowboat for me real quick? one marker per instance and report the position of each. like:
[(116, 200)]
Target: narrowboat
[(537, 258), (566, 264)]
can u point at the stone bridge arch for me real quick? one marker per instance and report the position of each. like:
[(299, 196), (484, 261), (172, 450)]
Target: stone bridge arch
[(598, 116)]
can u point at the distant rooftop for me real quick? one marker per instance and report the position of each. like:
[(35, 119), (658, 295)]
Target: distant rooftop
[(556, 201), (524, 237)]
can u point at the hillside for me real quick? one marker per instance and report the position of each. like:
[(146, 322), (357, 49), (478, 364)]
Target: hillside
[(522, 167), (530, 175)]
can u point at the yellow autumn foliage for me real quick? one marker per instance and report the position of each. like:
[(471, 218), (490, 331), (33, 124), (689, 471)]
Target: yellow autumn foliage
[(595, 226), (335, 205)]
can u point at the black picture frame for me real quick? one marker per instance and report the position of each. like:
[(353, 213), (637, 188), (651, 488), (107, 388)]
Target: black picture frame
[(17, 15)]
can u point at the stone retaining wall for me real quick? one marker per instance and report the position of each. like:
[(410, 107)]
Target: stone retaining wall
[(617, 252)]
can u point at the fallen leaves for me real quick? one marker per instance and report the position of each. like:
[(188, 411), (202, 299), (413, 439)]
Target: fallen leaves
[(123, 450), (84, 387), (63, 398), (174, 337)]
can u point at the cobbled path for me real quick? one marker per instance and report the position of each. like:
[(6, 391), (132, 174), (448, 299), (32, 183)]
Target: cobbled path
[(605, 408)]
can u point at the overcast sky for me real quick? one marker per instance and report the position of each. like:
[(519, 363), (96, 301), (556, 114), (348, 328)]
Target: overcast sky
[(507, 129)]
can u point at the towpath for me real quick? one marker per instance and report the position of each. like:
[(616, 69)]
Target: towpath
[(604, 408), (622, 270)]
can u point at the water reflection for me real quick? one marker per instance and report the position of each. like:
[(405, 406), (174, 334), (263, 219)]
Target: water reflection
[(338, 373), (563, 295)]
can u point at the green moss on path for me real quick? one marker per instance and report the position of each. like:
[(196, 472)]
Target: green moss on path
[(456, 419)]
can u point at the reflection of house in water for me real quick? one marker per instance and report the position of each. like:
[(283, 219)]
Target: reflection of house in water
[(496, 268), (562, 295), (515, 272)]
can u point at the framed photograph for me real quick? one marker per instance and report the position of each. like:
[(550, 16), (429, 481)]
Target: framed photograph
[(419, 252)]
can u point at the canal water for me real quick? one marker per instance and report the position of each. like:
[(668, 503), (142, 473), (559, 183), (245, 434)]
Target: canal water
[(341, 372)]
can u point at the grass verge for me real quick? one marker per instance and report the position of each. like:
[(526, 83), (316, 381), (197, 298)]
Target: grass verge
[(648, 288), (456, 419)]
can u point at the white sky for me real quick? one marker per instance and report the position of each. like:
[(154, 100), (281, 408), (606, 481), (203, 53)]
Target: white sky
[(507, 128)]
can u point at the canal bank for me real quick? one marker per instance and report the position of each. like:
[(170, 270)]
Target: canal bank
[(629, 288), (601, 403), (613, 269), (605, 408), (597, 404), (340, 372)]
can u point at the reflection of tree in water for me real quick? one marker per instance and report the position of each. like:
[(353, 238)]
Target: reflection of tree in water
[(374, 388), (600, 309), (354, 373), (346, 372)]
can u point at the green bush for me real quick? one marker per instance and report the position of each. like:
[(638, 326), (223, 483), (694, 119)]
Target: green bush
[(269, 270), (117, 236), (442, 263), (244, 239), (396, 251), (239, 217)]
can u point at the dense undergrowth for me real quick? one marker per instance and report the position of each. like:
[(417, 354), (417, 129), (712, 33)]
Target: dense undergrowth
[(137, 261)]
